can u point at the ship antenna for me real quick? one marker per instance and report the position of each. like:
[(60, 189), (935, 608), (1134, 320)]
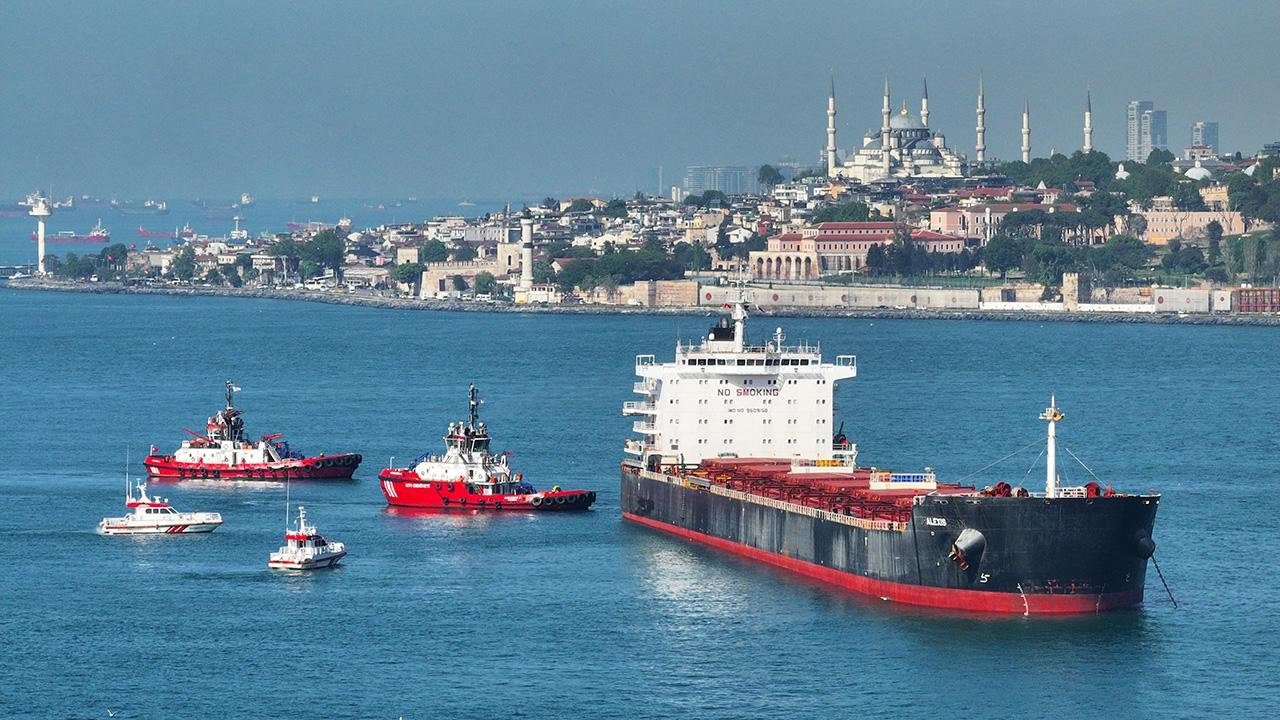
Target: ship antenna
[(230, 388), (473, 398)]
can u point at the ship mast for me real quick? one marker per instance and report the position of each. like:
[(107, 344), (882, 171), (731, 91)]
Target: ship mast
[(230, 389), (473, 396), (1051, 415)]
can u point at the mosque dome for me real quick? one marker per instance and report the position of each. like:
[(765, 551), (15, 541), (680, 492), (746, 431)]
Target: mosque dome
[(1121, 173), (1199, 172), (904, 120)]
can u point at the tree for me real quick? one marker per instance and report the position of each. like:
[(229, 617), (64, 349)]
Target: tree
[(459, 283), (289, 249), (485, 282), (433, 251), (183, 266), (1187, 197), (877, 263), (692, 257), (616, 208), (1003, 253), (581, 205), (409, 273), (847, 212), (1214, 231), (1160, 156), (464, 253), (1124, 251), (768, 176), (214, 276), (309, 269), (543, 272), (327, 250), (550, 203)]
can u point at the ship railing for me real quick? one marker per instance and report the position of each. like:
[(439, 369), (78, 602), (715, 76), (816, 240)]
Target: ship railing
[(644, 360), (644, 387), (637, 407), (850, 361), (860, 522), (641, 426)]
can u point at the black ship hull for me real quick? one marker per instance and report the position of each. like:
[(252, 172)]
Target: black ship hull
[(1020, 555)]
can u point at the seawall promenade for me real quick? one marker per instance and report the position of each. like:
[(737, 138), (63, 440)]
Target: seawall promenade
[(401, 303)]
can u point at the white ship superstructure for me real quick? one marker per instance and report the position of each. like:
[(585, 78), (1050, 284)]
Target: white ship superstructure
[(724, 398)]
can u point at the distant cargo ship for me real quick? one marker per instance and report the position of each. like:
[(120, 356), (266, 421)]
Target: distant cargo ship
[(149, 207), (98, 234), (738, 453), (185, 232)]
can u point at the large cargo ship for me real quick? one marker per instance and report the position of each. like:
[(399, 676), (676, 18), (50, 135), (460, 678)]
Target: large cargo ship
[(737, 451)]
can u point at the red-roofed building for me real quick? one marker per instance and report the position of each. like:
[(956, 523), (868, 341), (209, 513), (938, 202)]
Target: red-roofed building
[(835, 247)]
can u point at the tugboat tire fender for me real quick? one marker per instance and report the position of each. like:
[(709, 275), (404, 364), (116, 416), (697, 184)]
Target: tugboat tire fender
[(560, 500), (535, 501)]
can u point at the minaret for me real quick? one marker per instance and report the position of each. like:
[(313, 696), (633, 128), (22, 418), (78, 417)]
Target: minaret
[(981, 147), (884, 129), (1088, 123), (526, 254), (1026, 132), (831, 129), (40, 211), (924, 104)]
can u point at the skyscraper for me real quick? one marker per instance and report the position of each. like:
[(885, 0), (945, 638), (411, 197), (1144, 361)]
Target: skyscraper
[(1205, 133), (1148, 130)]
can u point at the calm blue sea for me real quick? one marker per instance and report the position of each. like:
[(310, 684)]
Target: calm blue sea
[(215, 220), (435, 616)]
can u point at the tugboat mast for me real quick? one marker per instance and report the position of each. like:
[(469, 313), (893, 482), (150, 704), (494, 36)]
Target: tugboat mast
[(1051, 415), (231, 388), (473, 396)]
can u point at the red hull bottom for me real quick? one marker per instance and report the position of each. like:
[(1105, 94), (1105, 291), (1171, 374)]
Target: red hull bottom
[(920, 595)]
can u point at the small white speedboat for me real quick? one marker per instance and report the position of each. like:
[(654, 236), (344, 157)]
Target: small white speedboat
[(155, 516), (305, 549)]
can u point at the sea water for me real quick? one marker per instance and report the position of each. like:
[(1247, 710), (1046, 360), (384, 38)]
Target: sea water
[(581, 615)]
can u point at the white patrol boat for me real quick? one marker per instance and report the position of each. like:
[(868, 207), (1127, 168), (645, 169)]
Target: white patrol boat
[(155, 516), (306, 549)]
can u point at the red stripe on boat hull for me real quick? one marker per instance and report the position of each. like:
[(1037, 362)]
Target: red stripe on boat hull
[(925, 596)]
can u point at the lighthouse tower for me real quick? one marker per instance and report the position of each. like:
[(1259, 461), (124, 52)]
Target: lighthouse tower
[(526, 255), (40, 211)]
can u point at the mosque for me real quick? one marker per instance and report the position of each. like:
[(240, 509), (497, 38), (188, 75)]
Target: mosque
[(905, 147)]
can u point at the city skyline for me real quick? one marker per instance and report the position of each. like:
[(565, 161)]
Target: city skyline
[(217, 100)]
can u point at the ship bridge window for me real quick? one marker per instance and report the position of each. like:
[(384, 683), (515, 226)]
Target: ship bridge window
[(804, 361), (742, 361)]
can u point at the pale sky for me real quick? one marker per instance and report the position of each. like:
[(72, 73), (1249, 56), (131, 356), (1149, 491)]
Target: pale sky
[(500, 99)]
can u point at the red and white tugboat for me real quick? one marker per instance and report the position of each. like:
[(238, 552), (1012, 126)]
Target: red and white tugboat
[(155, 516), (306, 549), (224, 453), (469, 476)]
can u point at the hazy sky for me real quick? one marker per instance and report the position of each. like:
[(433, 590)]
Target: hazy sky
[(492, 99)]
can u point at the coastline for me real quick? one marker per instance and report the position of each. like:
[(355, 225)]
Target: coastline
[(400, 303)]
